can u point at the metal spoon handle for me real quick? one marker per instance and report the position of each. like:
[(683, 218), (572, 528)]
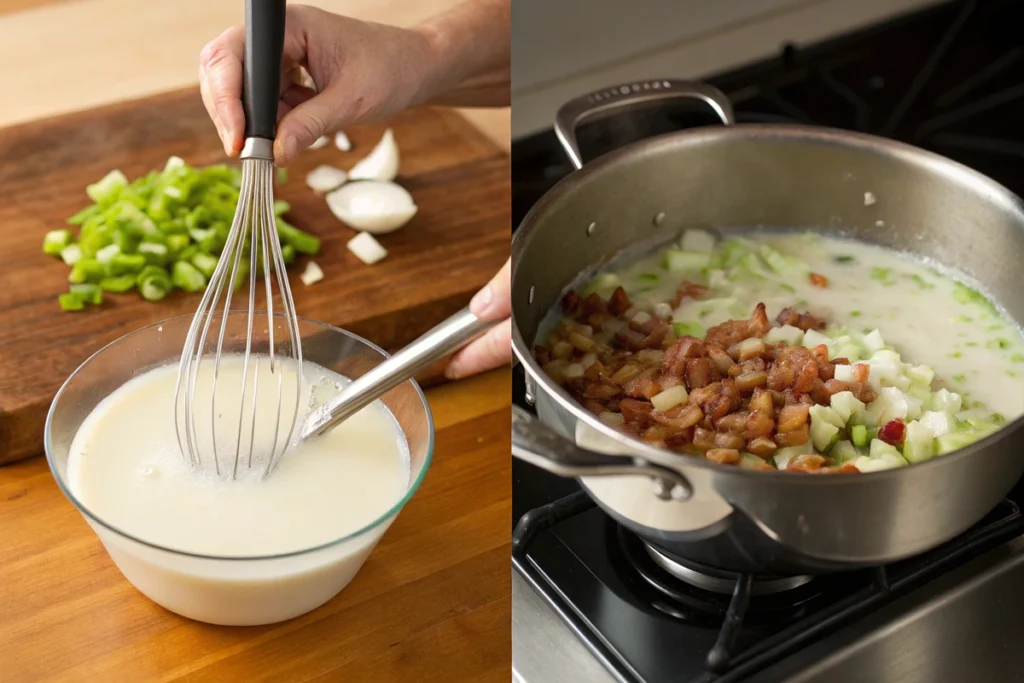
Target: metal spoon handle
[(448, 337)]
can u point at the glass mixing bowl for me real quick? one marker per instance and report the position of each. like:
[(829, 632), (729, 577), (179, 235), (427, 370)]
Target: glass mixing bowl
[(233, 590)]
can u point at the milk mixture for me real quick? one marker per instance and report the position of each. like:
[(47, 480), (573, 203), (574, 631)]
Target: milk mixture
[(125, 465)]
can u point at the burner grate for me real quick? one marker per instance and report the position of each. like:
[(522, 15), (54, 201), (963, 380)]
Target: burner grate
[(800, 616)]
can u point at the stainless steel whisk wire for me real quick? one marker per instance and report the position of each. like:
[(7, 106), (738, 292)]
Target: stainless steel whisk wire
[(254, 219)]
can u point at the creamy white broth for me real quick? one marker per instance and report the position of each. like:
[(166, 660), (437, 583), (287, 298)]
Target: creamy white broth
[(974, 348), (895, 363)]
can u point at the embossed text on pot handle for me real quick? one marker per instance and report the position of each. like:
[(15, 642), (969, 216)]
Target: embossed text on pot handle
[(539, 445), (631, 96)]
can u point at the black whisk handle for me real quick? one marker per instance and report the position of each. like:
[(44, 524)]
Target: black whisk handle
[(261, 84)]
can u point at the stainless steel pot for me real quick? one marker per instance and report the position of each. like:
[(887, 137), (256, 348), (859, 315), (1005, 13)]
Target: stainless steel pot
[(742, 177)]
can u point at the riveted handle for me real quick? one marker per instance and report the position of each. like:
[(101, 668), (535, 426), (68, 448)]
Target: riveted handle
[(261, 84), (629, 96)]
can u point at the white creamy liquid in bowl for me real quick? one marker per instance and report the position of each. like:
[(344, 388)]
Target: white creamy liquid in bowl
[(217, 538)]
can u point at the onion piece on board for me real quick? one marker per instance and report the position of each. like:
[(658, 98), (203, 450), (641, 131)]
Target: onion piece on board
[(372, 206), (381, 163), (325, 178), (366, 248)]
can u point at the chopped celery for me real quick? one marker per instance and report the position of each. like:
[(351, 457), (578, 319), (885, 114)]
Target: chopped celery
[(859, 435), (954, 441), (107, 253), (187, 277), (698, 241), (117, 283), (918, 443), (843, 452), (684, 261), (750, 461), (784, 455), (787, 334), (782, 265), (683, 329), (281, 207), (70, 302), (55, 241)]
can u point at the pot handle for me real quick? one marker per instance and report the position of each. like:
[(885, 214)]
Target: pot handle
[(632, 96), (538, 444)]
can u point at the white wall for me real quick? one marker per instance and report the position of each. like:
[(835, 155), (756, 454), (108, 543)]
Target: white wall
[(564, 48)]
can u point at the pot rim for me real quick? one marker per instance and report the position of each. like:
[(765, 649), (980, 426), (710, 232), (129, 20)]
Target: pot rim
[(608, 163)]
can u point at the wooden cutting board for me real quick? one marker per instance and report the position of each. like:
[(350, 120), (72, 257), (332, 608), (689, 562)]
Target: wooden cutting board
[(456, 242)]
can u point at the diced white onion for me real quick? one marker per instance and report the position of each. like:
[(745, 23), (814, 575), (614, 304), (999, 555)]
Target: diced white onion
[(325, 178), (670, 398), (342, 142), (366, 248), (312, 274)]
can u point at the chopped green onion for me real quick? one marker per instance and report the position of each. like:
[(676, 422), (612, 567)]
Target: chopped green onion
[(163, 230), (154, 283), (282, 177), (71, 254), (87, 270), (55, 241), (843, 259), (303, 242), (71, 302), (126, 264), (205, 263), (88, 293), (117, 283), (187, 277), (288, 254)]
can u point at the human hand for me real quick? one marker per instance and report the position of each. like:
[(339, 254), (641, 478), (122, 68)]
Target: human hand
[(494, 349), (361, 71)]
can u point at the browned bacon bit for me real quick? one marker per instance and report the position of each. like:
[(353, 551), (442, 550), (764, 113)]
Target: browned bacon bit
[(805, 463), (848, 468), (744, 394), (819, 280), (861, 371), (803, 321), (674, 360), (690, 290), (892, 433), (593, 305), (724, 456), (570, 301), (734, 331), (619, 302)]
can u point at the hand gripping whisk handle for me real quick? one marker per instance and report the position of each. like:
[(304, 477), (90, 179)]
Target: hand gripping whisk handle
[(448, 337), (261, 84)]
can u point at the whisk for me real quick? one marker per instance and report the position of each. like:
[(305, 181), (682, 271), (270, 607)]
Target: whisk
[(252, 248)]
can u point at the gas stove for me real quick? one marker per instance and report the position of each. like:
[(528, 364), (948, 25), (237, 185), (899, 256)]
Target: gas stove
[(951, 80)]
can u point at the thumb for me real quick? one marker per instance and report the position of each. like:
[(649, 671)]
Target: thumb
[(494, 301), (301, 127)]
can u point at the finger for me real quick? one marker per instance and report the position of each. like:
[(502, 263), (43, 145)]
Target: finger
[(494, 301), (204, 91), (221, 64), (301, 127), (292, 98), (490, 351)]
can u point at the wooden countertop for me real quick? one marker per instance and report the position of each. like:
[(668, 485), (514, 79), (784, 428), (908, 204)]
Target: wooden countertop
[(432, 602)]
